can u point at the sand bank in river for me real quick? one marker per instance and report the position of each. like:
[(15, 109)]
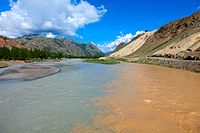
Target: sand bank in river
[(149, 99), (3, 65), (28, 72)]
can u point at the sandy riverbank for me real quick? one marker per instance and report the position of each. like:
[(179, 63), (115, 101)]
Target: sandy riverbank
[(28, 72), (149, 99)]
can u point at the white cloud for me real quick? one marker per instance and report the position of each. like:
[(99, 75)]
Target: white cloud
[(50, 35), (138, 33), (108, 47), (59, 17)]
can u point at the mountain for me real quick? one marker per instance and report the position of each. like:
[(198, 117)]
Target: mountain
[(9, 43), (67, 47), (133, 45), (120, 46), (177, 39)]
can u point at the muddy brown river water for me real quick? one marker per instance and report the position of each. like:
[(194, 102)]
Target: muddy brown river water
[(149, 99)]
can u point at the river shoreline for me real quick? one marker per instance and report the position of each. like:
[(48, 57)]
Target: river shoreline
[(188, 65)]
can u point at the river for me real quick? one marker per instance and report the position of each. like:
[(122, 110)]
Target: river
[(88, 98)]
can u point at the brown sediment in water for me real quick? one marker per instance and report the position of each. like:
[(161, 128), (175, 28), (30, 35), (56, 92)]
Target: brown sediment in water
[(149, 99)]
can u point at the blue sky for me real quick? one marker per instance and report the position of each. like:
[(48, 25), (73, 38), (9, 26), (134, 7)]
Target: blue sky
[(128, 16)]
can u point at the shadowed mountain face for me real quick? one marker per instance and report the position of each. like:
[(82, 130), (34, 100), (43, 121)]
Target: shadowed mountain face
[(67, 47), (120, 46), (180, 38)]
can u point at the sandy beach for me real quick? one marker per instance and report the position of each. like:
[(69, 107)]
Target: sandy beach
[(149, 99)]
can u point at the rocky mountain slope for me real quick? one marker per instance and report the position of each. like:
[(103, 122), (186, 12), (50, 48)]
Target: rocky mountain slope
[(178, 39), (187, 48), (67, 47), (9, 43), (132, 46)]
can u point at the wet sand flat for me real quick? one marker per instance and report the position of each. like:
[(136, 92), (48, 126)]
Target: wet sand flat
[(149, 99), (3, 64), (28, 72)]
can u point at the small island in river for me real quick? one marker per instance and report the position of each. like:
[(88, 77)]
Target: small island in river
[(28, 72)]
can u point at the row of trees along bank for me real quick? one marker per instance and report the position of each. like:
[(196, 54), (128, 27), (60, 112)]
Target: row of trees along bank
[(25, 54)]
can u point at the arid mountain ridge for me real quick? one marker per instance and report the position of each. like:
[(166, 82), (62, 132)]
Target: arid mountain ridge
[(177, 39)]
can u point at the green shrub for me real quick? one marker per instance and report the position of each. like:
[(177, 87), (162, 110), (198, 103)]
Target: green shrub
[(102, 61)]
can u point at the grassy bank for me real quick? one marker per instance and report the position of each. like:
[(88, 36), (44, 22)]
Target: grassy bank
[(102, 61)]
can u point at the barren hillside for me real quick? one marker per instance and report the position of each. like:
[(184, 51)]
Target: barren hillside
[(134, 45), (179, 38)]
